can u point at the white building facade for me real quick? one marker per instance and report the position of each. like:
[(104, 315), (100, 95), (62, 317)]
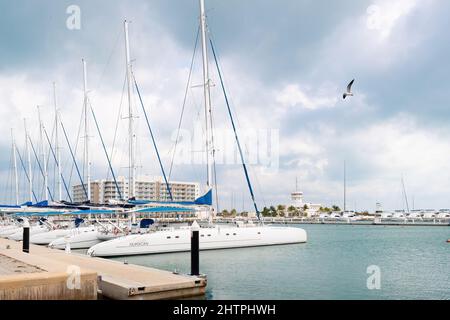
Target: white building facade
[(297, 201), (147, 189)]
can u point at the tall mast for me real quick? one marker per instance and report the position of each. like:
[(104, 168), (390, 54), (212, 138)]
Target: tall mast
[(345, 186), (207, 93), (28, 151), (58, 153), (44, 158), (405, 195), (132, 135), (87, 161), (16, 177)]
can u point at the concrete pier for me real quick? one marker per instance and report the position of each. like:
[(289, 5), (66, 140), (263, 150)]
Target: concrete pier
[(49, 274)]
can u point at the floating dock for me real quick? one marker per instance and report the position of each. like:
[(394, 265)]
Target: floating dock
[(48, 274)]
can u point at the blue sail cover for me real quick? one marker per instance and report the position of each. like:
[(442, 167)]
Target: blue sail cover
[(205, 200), (42, 204)]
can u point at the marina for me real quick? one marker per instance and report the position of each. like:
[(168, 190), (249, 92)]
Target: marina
[(149, 153)]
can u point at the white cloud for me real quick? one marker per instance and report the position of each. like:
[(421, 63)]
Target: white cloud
[(383, 16), (293, 95)]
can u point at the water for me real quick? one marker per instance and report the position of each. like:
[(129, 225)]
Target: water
[(414, 264)]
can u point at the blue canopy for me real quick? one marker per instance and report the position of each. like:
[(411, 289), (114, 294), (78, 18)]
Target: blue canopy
[(39, 214), (164, 209), (9, 207), (86, 212)]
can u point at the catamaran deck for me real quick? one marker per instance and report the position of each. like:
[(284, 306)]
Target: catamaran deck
[(115, 280)]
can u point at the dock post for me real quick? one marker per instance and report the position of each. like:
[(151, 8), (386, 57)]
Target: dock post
[(195, 249), (26, 236)]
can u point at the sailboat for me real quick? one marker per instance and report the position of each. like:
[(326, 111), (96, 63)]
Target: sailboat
[(213, 236)]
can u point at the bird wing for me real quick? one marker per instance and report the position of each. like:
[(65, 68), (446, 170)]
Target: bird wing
[(349, 87)]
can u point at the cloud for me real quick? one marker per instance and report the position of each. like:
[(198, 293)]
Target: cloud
[(293, 96), (383, 16)]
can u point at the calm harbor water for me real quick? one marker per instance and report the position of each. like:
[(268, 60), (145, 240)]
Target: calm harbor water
[(414, 264)]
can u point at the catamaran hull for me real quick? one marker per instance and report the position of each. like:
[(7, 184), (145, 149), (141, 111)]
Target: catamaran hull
[(6, 233), (18, 236), (84, 240), (210, 239), (48, 237)]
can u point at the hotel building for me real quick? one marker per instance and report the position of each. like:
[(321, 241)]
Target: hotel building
[(147, 188)]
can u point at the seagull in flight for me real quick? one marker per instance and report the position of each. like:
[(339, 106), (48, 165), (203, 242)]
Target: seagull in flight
[(349, 90)]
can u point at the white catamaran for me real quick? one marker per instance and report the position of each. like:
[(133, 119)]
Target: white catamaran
[(214, 236)]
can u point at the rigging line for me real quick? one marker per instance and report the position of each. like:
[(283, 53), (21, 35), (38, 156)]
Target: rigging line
[(214, 161), (104, 149), (184, 103), (26, 174), (113, 50), (252, 170), (57, 164), (117, 124), (40, 167), (48, 161), (73, 159), (76, 149), (235, 132), (7, 194), (153, 138)]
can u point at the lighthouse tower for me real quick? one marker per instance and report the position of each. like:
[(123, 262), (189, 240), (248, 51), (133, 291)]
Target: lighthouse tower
[(297, 199)]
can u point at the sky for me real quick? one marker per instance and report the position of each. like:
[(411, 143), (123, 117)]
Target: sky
[(285, 66)]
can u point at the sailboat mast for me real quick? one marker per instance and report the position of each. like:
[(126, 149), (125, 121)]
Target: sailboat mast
[(16, 177), (405, 195), (28, 151), (58, 153), (345, 186), (207, 94), (87, 161), (132, 135), (44, 158)]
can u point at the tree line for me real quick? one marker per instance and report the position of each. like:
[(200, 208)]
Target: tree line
[(279, 211)]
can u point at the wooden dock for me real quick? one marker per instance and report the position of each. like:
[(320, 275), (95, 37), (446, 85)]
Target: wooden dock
[(115, 280)]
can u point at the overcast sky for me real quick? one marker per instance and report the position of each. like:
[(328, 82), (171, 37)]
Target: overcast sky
[(285, 63)]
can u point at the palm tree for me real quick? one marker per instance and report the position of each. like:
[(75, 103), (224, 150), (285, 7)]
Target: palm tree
[(273, 211), (335, 208), (266, 212), (292, 211), (281, 210)]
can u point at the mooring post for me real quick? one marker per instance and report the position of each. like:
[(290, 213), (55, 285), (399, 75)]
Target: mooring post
[(26, 236), (195, 249)]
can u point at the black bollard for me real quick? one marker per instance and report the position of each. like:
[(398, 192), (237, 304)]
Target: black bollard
[(26, 237), (195, 249)]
